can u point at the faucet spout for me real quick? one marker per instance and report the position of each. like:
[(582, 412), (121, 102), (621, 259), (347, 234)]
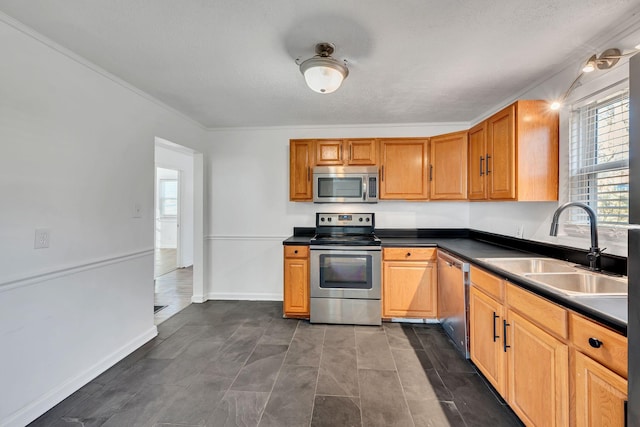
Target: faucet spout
[(594, 251)]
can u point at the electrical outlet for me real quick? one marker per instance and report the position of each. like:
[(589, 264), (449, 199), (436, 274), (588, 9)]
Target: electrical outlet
[(520, 232), (42, 238)]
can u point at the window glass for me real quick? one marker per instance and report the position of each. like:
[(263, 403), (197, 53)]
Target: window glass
[(599, 159), (168, 197)]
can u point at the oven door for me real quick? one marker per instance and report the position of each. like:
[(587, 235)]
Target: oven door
[(345, 272)]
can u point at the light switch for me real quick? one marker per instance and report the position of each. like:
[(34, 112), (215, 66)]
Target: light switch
[(42, 238), (137, 210)]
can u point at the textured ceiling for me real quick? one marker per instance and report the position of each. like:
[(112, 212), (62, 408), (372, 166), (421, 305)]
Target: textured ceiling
[(229, 63)]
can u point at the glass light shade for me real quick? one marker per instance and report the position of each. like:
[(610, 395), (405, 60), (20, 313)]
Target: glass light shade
[(323, 75), (590, 65)]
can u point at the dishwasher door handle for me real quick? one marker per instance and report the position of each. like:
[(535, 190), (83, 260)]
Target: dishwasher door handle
[(453, 262)]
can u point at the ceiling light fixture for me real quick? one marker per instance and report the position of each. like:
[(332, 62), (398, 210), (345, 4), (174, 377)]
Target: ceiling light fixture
[(323, 73), (590, 65), (605, 61)]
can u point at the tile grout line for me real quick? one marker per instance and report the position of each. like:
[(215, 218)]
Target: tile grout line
[(315, 391), (239, 370), (355, 337), (395, 364), (275, 381), (442, 381)]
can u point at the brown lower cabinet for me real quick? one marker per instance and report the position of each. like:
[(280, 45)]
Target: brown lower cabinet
[(409, 283), (296, 281), (537, 355)]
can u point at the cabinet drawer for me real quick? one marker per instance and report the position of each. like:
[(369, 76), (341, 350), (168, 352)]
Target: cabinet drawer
[(409, 254), (544, 313), (296, 251), (489, 283), (612, 351)]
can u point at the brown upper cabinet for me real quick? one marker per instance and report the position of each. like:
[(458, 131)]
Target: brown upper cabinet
[(300, 169), (448, 167), (338, 152), (513, 155), (404, 169)]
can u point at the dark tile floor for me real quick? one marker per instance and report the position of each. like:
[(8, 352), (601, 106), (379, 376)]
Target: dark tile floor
[(239, 363)]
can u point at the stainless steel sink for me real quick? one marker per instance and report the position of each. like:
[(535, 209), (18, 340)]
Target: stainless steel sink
[(561, 276), (530, 265), (582, 283)]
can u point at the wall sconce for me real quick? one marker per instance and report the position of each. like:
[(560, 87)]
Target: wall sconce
[(605, 61), (322, 73)]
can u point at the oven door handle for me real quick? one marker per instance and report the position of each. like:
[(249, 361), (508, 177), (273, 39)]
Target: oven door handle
[(331, 248)]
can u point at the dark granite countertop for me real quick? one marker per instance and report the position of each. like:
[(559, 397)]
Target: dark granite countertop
[(611, 311)]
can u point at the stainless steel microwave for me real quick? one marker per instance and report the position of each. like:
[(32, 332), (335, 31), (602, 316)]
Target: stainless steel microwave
[(345, 184)]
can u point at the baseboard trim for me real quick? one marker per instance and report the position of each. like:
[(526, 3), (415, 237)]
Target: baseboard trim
[(244, 296), (198, 299), (47, 401), (71, 269)]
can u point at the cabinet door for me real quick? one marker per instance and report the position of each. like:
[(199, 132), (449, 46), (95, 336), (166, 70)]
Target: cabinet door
[(409, 289), (600, 394), (501, 158), (361, 151), (296, 287), (404, 171), (485, 336), (329, 152), (448, 167), (478, 162), (300, 173), (538, 374)]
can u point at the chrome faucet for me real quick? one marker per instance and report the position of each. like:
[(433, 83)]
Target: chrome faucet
[(594, 251)]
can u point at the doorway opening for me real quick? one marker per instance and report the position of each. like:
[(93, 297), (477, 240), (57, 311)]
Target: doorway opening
[(166, 221), (178, 220)]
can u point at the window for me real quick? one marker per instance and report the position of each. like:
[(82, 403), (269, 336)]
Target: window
[(168, 197), (599, 159)]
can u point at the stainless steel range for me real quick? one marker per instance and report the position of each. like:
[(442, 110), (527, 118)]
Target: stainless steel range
[(345, 270)]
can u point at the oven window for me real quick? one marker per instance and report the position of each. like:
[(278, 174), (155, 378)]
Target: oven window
[(346, 271), (340, 187)]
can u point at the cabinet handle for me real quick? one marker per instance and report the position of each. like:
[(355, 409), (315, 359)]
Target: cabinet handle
[(595, 342), (308, 173), (488, 157), (408, 253), (383, 172), (481, 165), (295, 252), (495, 334), (350, 152), (504, 335), (430, 172)]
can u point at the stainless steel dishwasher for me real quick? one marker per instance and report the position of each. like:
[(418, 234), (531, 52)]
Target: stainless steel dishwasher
[(453, 299)]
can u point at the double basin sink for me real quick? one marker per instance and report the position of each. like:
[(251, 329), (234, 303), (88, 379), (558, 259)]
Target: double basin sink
[(562, 276)]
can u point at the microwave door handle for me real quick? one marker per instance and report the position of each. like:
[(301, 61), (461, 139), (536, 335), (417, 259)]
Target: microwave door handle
[(364, 189)]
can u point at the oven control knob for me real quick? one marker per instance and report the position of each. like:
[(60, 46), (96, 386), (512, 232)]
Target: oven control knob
[(360, 219), (368, 219), (329, 219), (321, 219)]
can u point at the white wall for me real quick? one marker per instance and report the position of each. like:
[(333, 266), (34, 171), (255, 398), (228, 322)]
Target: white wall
[(250, 211), (77, 156)]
